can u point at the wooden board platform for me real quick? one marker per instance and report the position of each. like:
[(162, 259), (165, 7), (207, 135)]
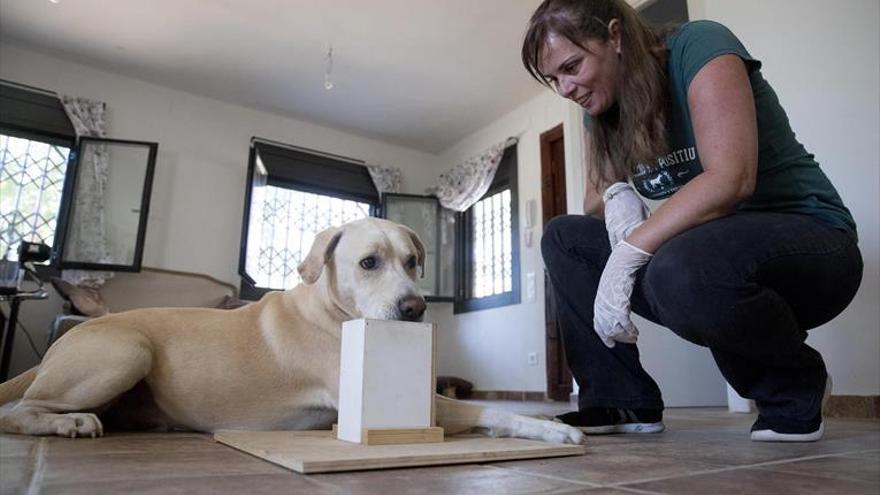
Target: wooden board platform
[(319, 452)]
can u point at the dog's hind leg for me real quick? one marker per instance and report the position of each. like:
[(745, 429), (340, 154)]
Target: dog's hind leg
[(88, 370)]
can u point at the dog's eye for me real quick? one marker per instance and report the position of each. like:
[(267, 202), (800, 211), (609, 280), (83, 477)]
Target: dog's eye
[(411, 263), (369, 263)]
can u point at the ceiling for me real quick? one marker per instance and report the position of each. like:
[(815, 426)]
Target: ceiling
[(417, 73)]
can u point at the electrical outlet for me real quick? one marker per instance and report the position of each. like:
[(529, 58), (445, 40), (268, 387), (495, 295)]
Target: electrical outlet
[(533, 359)]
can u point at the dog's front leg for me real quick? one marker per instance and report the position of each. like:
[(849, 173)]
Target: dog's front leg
[(459, 417)]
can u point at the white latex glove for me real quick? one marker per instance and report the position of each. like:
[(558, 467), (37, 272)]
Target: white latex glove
[(611, 310), (624, 211)]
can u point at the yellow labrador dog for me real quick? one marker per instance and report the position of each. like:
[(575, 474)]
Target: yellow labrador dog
[(273, 364)]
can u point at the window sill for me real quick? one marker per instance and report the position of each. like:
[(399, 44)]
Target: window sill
[(496, 301)]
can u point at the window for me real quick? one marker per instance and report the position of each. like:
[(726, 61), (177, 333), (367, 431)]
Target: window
[(293, 194), (283, 225), (87, 198), (36, 139), (436, 229), (31, 184), (488, 248)]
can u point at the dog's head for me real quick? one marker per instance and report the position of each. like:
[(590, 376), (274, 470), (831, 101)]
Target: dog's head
[(369, 268)]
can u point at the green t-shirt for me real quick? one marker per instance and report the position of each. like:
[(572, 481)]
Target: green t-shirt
[(789, 179)]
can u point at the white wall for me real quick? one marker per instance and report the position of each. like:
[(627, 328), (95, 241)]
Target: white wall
[(823, 59), (198, 189)]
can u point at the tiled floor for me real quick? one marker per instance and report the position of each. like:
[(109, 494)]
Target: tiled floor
[(704, 450)]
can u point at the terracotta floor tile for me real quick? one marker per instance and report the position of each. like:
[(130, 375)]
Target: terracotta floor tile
[(16, 445), (15, 474), (267, 484), (12, 489), (841, 467), (875, 454), (152, 466), (603, 491), (609, 467), (133, 443), (470, 479), (739, 481), (737, 450)]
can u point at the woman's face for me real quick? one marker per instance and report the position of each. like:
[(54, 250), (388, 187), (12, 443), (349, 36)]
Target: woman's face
[(587, 77)]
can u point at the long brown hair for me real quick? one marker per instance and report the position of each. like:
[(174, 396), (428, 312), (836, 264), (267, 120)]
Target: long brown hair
[(632, 131)]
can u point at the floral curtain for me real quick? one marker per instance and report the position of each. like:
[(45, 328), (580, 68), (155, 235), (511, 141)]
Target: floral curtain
[(86, 236), (464, 184), (386, 179)]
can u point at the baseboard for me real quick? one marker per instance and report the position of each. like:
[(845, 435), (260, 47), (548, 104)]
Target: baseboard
[(853, 406), (520, 395)]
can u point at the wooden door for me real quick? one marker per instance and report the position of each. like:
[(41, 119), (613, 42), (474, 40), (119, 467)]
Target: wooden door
[(553, 204)]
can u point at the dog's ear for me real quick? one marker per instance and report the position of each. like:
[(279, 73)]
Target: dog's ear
[(420, 250), (322, 249)]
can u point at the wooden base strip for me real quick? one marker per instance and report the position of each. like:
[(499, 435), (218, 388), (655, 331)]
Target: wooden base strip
[(400, 436)]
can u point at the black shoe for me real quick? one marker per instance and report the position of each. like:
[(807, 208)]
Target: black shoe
[(604, 420), (780, 430), (765, 430)]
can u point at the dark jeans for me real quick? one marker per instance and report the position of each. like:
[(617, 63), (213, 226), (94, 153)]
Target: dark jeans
[(747, 286)]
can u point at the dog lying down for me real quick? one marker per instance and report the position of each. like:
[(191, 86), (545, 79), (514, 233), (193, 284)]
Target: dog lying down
[(270, 365)]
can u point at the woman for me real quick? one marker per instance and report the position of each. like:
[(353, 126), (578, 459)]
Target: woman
[(752, 247)]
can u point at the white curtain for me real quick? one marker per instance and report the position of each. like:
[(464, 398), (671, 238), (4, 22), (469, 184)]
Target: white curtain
[(464, 184), (386, 179), (87, 237)]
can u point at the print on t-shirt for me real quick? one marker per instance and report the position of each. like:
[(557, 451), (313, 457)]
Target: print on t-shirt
[(668, 174)]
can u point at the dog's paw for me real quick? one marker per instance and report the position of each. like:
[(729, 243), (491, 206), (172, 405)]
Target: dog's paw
[(547, 431), (74, 425), (562, 433), (575, 435)]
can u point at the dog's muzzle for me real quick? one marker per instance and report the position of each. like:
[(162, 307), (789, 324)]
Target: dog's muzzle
[(411, 308)]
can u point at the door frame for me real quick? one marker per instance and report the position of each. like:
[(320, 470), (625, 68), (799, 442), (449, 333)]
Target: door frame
[(553, 202)]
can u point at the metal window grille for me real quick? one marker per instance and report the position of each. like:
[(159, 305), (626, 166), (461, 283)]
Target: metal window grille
[(283, 224), (31, 185), (492, 246)]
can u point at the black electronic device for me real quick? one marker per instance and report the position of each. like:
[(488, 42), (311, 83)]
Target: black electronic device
[(35, 252)]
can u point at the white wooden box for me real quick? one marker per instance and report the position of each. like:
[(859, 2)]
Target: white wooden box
[(386, 377)]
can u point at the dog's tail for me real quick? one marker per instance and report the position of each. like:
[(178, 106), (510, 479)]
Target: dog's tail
[(14, 389)]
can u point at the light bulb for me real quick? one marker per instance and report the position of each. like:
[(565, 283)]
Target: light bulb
[(328, 83)]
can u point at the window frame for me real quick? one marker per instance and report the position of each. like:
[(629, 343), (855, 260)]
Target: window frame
[(248, 289), (505, 178), (68, 197), (437, 297)]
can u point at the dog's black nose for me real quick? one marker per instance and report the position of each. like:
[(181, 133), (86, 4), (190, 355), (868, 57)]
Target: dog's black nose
[(411, 308)]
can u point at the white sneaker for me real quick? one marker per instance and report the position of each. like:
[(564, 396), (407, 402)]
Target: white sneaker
[(768, 435)]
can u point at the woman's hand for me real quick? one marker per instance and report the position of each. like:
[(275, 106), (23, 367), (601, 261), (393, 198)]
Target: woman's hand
[(611, 309)]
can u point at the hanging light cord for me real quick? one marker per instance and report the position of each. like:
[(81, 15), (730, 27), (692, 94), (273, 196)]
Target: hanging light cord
[(328, 80)]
